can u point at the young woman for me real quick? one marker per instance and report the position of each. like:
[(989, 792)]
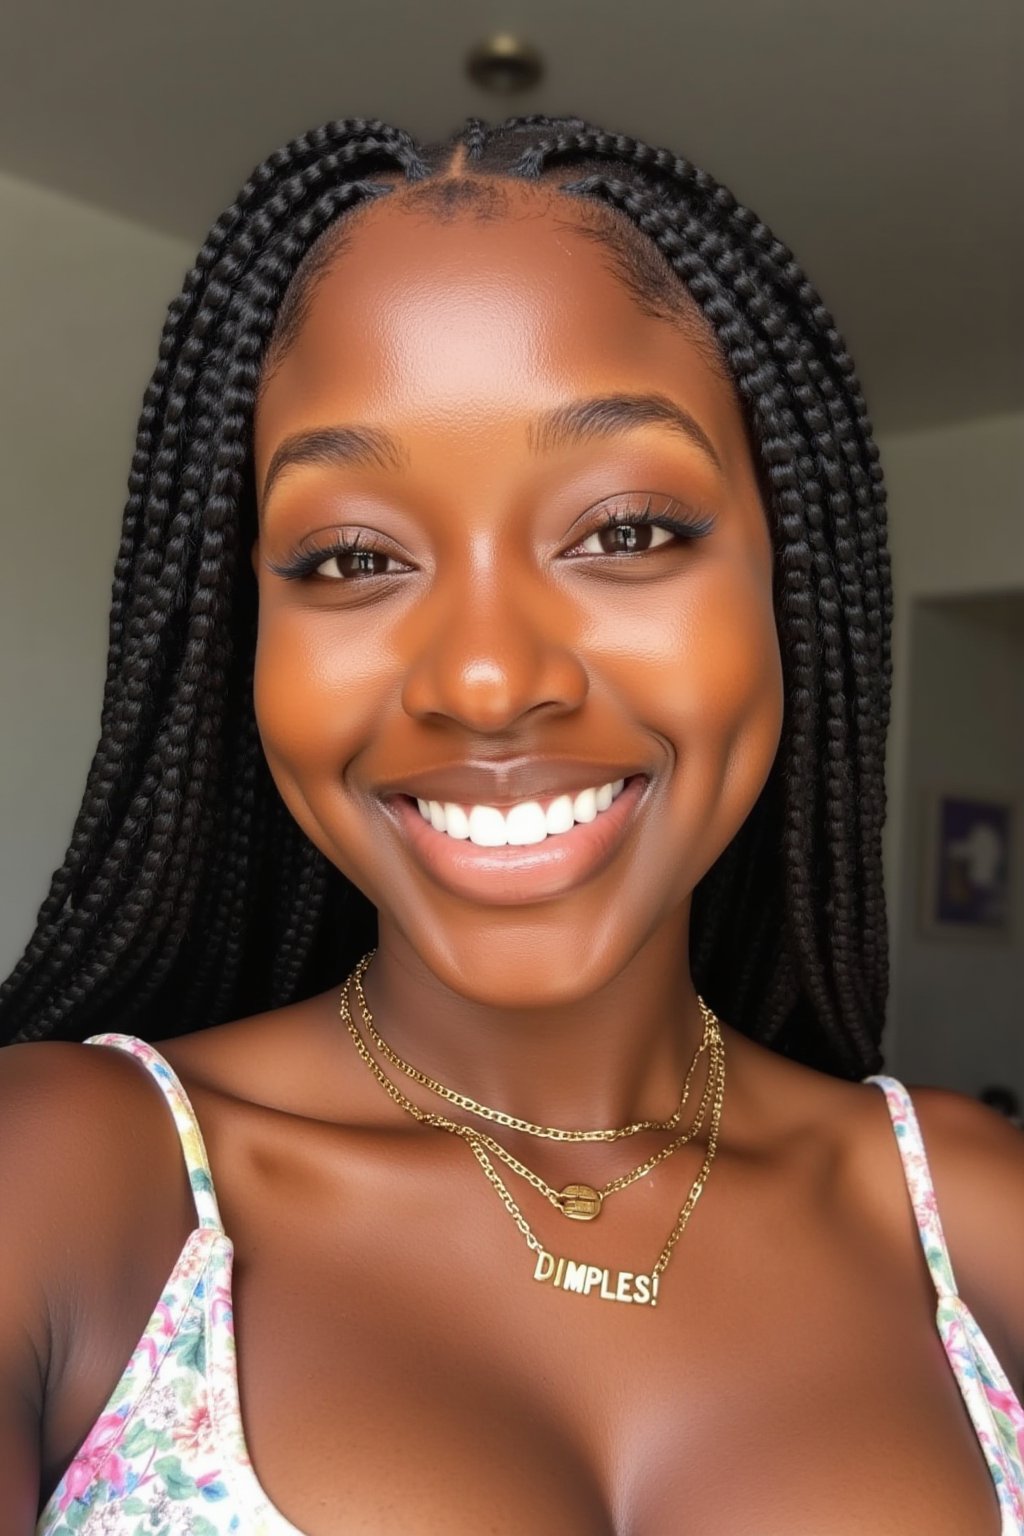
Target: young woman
[(493, 735)]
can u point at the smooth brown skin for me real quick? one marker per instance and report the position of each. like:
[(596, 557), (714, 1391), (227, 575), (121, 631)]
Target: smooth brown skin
[(399, 1370)]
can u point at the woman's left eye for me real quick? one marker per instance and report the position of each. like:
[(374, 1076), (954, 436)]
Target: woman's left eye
[(626, 538), (345, 564), (636, 530)]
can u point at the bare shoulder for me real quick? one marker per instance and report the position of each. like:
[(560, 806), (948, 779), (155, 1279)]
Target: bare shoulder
[(70, 1114), (976, 1158), (88, 1155), (90, 1172)]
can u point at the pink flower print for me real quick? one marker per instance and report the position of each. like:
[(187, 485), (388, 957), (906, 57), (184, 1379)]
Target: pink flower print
[(166, 1318), (82, 1475), (1008, 1404), (195, 1433), (115, 1471), (221, 1309), (77, 1479), (96, 1459)]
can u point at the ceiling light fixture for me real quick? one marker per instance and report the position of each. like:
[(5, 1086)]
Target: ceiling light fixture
[(504, 65)]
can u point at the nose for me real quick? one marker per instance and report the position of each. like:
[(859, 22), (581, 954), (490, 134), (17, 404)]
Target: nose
[(492, 652)]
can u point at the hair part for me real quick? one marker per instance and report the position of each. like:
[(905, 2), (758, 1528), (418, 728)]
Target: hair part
[(188, 894)]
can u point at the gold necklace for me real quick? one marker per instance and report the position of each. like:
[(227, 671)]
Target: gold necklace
[(577, 1201), (583, 1279), (576, 1277), (512, 1122)]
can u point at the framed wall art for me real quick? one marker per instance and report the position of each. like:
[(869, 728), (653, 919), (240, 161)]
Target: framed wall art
[(967, 868)]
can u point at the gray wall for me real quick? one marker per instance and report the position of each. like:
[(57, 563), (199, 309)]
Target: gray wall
[(82, 299), (961, 998), (956, 495)]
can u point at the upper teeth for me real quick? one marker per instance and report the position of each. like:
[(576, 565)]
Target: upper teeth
[(524, 823)]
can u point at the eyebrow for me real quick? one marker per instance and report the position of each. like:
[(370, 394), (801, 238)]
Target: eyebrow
[(359, 446), (607, 415), (600, 416)]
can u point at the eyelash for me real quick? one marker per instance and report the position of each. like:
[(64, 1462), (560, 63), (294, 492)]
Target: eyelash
[(305, 566)]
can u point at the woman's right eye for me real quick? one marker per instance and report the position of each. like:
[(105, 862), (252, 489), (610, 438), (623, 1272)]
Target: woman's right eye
[(344, 561), (349, 564)]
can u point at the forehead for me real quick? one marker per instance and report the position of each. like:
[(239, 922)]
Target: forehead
[(456, 313)]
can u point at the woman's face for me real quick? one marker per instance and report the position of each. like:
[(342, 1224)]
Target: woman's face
[(491, 641)]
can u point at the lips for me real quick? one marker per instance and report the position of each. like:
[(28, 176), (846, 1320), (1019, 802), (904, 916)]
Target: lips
[(519, 875)]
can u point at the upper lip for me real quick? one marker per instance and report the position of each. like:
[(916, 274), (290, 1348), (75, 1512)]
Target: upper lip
[(507, 783)]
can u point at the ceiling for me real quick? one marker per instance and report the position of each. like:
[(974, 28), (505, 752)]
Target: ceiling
[(881, 139)]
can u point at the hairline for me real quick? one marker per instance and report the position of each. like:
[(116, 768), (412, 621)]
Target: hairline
[(632, 258)]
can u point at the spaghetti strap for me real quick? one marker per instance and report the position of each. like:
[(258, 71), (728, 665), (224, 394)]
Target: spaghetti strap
[(191, 1137), (919, 1184), (992, 1404)]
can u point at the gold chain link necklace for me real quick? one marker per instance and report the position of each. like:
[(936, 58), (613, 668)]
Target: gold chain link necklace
[(576, 1277), (577, 1201), (512, 1122)]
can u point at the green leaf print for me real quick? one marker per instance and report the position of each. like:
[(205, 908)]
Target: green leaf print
[(190, 1348), (176, 1480), (139, 1439), (203, 1527)]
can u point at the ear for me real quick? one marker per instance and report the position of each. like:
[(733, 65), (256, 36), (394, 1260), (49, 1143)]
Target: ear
[(254, 557)]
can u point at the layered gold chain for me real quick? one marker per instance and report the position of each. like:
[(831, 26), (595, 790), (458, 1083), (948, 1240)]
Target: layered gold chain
[(579, 1201), (512, 1122)]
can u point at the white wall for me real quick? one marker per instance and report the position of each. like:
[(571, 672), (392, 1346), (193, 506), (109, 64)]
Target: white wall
[(82, 300), (956, 498)]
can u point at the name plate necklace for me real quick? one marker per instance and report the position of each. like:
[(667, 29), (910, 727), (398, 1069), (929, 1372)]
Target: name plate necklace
[(576, 1277), (579, 1202)]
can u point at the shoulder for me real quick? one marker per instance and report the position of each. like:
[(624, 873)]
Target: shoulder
[(69, 1112), (86, 1148), (976, 1157), (90, 1170)]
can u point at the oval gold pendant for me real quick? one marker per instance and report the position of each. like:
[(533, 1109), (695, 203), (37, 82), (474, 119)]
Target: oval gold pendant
[(580, 1202)]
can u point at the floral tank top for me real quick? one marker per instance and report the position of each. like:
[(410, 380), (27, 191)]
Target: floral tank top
[(168, 1457)]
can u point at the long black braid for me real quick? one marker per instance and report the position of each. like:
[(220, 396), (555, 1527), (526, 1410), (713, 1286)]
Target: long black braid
[(188, 894)]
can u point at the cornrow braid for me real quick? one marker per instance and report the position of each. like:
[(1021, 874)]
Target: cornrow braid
[(188, 894)]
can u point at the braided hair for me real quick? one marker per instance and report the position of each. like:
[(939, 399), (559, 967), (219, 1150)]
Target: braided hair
[(188, 894)]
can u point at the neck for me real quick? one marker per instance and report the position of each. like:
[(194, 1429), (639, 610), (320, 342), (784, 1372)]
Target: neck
[(617, 1054)]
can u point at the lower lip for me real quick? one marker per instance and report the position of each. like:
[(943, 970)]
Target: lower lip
[(515, 876)]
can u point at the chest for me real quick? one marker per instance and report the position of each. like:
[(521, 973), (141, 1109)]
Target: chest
[(398, 1368)]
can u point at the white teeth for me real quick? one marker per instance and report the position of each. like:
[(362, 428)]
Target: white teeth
[(584, 807), (559, 817), (526, 824), (457, 822), (487, 827), (522, 824)]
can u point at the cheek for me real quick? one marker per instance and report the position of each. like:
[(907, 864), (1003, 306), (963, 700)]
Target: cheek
[(706, 674), (315, 701)]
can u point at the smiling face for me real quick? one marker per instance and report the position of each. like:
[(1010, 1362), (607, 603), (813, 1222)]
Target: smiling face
[(475, 404)]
